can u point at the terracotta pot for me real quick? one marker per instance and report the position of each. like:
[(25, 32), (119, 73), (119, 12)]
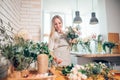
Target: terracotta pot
[(42, 60)]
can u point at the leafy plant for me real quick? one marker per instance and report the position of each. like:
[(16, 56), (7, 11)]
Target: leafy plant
[(67, 69), (19, 51), (110, 45), (23, 52)]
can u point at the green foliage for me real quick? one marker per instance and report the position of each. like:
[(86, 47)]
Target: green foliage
[(89, 69), (110, 45), (22, 52), (96, 69), (85, 45), (100, 37), (67, 69), (71, 34)]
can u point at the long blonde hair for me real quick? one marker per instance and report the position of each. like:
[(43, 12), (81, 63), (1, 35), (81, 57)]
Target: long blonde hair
[(52, 25)]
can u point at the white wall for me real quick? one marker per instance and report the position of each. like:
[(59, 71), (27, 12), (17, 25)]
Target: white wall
[(84, 6), (102, 18), (61, 5), (113, 15)]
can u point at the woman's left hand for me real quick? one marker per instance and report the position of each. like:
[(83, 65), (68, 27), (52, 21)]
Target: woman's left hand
[(58, 60), (73, 41)]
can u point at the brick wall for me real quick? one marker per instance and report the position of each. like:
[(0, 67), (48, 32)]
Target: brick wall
[(22, 14), (10, 12), (31, 17)]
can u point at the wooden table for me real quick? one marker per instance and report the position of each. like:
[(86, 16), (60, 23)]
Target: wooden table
[(57, 75)]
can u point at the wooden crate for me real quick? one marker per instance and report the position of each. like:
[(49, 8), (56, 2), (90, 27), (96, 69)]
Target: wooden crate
[(114, 37)]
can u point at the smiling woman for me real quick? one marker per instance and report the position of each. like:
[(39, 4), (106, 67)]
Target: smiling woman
[(67, 20)]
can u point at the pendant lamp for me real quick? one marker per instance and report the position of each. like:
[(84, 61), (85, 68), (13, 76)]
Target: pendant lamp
[(93, 19), (77, 18)]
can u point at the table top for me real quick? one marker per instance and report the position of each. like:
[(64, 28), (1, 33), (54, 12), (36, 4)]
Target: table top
[(57, 75)]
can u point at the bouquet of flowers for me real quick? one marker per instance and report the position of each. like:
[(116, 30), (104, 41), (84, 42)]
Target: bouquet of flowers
[(72, 35), (86, 71)]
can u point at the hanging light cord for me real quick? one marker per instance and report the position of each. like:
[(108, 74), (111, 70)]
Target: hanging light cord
[(92, 6), (77, 4)]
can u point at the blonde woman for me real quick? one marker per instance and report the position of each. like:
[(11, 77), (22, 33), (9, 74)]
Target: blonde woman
[(58, 43)]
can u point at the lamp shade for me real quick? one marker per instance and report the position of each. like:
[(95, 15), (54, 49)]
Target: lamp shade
[(93, 19), (77, 18)]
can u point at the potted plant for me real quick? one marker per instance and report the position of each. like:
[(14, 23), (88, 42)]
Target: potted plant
[(109, 45), (23, 52), (19, 51)]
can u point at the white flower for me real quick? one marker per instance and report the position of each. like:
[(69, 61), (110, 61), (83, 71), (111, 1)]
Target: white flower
[(74, 77), (79, 74), (92, 64), (84, 76), (74, 70), (77, 67), (82, 67)]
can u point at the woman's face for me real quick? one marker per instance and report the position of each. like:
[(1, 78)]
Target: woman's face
[(58, 25)]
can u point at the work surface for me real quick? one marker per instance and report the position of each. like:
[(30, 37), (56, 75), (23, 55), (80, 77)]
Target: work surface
[(57, 75)]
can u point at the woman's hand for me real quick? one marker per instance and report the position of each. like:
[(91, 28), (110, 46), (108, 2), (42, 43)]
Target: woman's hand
[(58, 60), (73, 41)]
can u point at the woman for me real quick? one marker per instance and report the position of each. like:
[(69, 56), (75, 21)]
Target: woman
[(58, 43)]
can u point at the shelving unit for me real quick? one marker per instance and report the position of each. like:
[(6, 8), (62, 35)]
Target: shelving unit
[(84, 58), (97, 55)]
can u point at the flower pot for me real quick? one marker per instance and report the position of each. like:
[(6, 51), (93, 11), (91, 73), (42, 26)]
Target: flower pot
[(42, 60)]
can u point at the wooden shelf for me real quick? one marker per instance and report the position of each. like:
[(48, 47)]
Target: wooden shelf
[(100, 55), (94, 55)]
